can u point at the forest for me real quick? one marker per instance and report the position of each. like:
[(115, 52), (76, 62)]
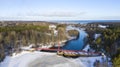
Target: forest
[(14, 37), (108, 43)]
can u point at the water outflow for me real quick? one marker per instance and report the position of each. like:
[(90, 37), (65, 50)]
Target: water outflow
[(76, 44)]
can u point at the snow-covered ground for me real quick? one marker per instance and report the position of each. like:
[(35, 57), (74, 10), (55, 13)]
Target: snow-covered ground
[(22, 59), (86, 47), (96, 36), (44, 59), (102, 26), (38, 59)]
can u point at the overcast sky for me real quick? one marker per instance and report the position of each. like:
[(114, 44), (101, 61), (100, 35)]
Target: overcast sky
[(59, 9)]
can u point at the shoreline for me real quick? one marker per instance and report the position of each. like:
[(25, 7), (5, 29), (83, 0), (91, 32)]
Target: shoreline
[(85, 43)]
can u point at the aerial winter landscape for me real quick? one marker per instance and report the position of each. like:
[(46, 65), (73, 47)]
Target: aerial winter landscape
[(59, 33)]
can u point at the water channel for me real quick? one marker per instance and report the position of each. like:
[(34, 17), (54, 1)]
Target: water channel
[(78, 43)]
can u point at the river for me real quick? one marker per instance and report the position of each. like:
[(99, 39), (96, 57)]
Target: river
[(76, 44)]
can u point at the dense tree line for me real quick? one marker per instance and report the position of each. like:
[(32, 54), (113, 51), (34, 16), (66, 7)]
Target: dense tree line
[(22, 28), (108, 43), (14, 37), (73, 33)]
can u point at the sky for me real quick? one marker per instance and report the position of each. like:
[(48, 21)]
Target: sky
[(59, 9)]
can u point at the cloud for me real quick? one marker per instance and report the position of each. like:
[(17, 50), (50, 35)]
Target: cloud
[(50, 15), (57, 14)]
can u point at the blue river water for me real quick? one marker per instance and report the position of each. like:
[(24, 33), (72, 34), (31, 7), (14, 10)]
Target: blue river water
[(76, 44)]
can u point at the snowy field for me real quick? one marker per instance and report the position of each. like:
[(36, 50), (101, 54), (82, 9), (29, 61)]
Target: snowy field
[(43, 59)]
